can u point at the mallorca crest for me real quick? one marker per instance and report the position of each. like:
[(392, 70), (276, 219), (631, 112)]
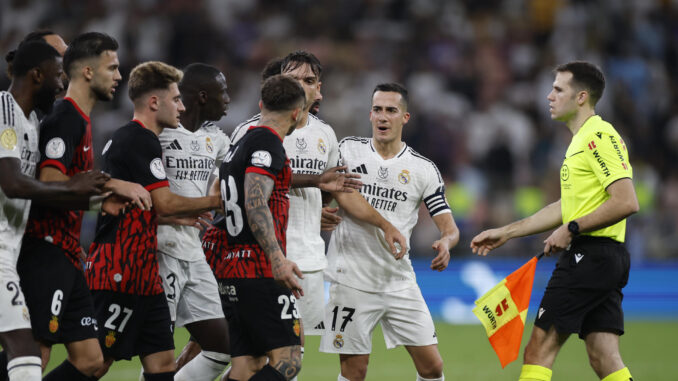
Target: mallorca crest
[(54, 324), (110, 339), (301, 144), (383, 173)]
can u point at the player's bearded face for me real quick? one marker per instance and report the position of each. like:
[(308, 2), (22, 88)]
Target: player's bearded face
[(388, 115), (51, 86), (106, 76), (309, 82)]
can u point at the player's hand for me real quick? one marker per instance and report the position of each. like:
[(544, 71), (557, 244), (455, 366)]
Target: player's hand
[(137, 194), (488, 240), (559, 240), (442, 258), (396, 242), (89, 183), (329, 219), (201, 221), (189, 352), (114, 205), (286, 273), (82, 254), (334, 181)]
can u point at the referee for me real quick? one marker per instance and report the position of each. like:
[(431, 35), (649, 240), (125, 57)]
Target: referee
[(596, 195)]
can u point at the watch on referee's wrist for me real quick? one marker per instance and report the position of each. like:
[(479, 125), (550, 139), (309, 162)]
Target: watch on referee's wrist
[(573, 227)]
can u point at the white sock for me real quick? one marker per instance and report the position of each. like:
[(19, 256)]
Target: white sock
[(420, 378), (204, 367), (141, 375), (342, 378), (302, 360), (25, 368)]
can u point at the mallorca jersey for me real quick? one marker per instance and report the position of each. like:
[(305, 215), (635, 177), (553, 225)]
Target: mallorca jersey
[(596, 157), (122, 257), (189, 159), (65, 144), (259, 151), (18, 140), (311, 150), (358, 255)]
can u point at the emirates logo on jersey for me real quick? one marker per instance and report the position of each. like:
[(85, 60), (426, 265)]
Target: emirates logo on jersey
[(301, 144), (322, 148)]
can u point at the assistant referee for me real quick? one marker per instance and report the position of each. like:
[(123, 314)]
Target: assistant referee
[(584, 294)]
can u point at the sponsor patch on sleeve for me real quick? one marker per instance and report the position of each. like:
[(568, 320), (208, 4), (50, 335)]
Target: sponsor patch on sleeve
[(55, 148), (157, 169), (261, 159)]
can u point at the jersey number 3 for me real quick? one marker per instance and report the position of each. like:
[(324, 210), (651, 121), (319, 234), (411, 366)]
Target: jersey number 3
[(234, 221)]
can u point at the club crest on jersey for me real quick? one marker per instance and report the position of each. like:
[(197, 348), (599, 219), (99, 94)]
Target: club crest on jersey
[(261, 159), (55, 148), (8, 139), (338, 341), (195, 146), (404, 176), (208, 145), (110, 339), (383, 173), (157, 169), (26, 315), (54, 324), (322, 148), (301, 144), (297, 327)]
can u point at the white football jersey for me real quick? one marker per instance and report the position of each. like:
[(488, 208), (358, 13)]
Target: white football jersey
[(311, 150), (358, 255), (18, 139), (189, 159)]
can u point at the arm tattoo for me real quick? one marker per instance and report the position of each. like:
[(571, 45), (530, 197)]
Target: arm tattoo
[(258, 189), (289, 362)]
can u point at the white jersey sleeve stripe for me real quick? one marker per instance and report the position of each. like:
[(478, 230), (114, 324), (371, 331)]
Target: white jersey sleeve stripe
[(436, 203)]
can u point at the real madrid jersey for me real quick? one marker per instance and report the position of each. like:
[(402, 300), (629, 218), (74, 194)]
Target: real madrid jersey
[(18, 140), (358, 255), (189, 159), (311, 150)]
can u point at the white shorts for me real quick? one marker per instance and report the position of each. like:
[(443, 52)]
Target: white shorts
[(13, 310), (191, 290), (312, 304), (351, 315)]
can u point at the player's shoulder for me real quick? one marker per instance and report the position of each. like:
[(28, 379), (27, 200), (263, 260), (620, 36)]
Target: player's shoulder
[(64, 113), (421, 161), (214, 131), (241, 129), (355, 141), (9, 110), (314, 120)]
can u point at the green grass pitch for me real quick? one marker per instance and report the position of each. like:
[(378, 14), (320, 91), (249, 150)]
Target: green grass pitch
[(648, 349)]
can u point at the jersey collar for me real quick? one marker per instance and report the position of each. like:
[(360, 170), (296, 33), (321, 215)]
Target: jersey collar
[(269, 128), (77, 108)]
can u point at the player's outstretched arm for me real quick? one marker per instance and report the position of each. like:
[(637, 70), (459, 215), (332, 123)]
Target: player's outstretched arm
[(356, 205), (332, 180), (135, 193), (545, 219), (168, 204), (449, 237), (258, 189), (73, 192)]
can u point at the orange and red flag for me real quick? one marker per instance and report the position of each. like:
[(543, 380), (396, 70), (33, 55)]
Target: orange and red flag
[(503, 311)]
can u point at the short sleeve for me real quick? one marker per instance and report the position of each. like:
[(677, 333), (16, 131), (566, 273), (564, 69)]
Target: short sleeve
[(266, 154), (59, 137), (142, 155), (607, 157), (333, 154), (223, 143), (434, 192), (9, 134)]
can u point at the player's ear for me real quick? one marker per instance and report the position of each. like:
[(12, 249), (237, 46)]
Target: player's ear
[(153, 103), (582, 97), (406, 117), (261, 105), (37, 76), (87, 72), (202, 97)]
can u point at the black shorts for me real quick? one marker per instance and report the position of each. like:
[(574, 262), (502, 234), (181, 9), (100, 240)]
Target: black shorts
[(584, 293), (132, 325), (263, 316), (56, 292)]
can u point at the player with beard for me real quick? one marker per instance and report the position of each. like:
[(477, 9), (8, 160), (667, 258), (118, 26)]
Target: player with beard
[(36, 79), (61, 306)]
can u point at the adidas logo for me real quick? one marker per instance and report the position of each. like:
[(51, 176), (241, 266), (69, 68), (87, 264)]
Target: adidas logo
[(578, 257), (541, 312), (174, 145), (320, 326), (360, 169)]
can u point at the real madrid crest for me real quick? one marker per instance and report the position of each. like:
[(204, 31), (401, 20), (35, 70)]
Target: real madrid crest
[(322, 148), (208, 145), (404, 176), (338, 341)]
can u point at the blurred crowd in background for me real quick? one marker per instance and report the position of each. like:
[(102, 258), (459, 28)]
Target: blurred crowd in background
[(478, 72)]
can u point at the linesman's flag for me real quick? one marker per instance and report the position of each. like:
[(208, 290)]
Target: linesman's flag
[(503, 310)]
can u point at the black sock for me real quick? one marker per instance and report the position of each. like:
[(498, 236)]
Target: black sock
[(3, 366), (167, 376), (65, 372), (268, 373)]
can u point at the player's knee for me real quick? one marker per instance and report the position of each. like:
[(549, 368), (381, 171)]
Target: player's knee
[(90, 364), (433, 369)]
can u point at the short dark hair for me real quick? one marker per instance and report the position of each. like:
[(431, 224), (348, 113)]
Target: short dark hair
[(88, 45), (300, 57), (394, 87), (30, 55), (197, 76), (587, 76), (37, 35), (282, 93), (272, 68), (151, 75)]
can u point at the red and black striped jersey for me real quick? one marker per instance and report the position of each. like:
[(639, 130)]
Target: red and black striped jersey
[(65, 144), (122, 257), (259, 151), (214, 243)]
